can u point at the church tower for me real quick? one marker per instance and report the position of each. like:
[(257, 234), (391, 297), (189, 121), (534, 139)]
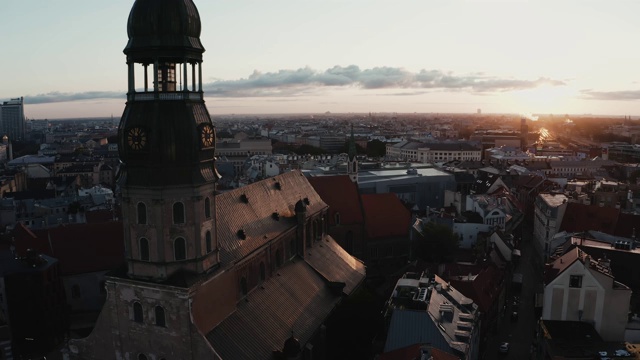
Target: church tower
[(352, 163), (166, 142)]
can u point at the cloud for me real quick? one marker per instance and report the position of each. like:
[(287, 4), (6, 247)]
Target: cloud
[(55, 96), (610, 95), (306, 81)]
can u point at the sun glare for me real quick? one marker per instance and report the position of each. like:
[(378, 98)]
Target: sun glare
[(544, 99)]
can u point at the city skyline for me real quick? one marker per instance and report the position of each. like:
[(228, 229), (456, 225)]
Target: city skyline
[(359, 56)]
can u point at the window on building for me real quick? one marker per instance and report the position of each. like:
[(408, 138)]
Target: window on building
[(142, 357), (144, 249), (180, 249), (207, 208), (137, 313), (142, 213), (160, 319), (208, 241), (178, 213), (575, 281), (75, 291), (337, 218)]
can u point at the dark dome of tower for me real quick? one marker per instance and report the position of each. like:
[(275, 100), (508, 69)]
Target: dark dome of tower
[(169, 29)]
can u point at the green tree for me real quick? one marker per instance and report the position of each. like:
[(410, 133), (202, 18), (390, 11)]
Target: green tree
[(438, 243)]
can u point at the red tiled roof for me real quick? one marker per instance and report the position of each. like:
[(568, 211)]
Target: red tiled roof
[(483, 289), (579, 217), (555, 268), (79, 248), (385, 215), (341, 194), (99, 216)]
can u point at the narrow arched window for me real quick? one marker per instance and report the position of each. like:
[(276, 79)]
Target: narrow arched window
[(160, 320), (144, 249), (75, 291), (207, 208), (208, 241), (137, 312), (178, 213), (180, 249), (243, 286), (263, 272), (337, 218), (142, 213), (142, 357)]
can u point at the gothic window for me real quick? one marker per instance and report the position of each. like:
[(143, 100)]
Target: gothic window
[(137, 312), (160, 319), (142, 213), (263, 273), (144, 249), (178, 213), (142, 357), (75, 291), (180, 249), (337, 218), (207, 208), (208, 241), (243, 286)]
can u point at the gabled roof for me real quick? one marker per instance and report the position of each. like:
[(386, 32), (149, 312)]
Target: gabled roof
[(554, 269), (341, 194), (297, 300), (385, 215), (255, 216), (80, 248)]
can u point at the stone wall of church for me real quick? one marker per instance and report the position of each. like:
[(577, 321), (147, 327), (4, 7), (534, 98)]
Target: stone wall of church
[(122, 332)]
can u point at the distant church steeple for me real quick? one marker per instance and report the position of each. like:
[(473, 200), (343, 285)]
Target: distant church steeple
[(352, 163)]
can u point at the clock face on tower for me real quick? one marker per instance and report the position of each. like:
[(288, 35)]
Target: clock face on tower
[(207, 136), (136, 138)]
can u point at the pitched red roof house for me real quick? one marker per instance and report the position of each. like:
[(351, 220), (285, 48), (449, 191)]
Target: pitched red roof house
[(341, 194), (79, 248), (579, 217), (385, 216)]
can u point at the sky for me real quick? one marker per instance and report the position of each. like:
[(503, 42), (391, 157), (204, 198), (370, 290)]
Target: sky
[(311, 56)]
